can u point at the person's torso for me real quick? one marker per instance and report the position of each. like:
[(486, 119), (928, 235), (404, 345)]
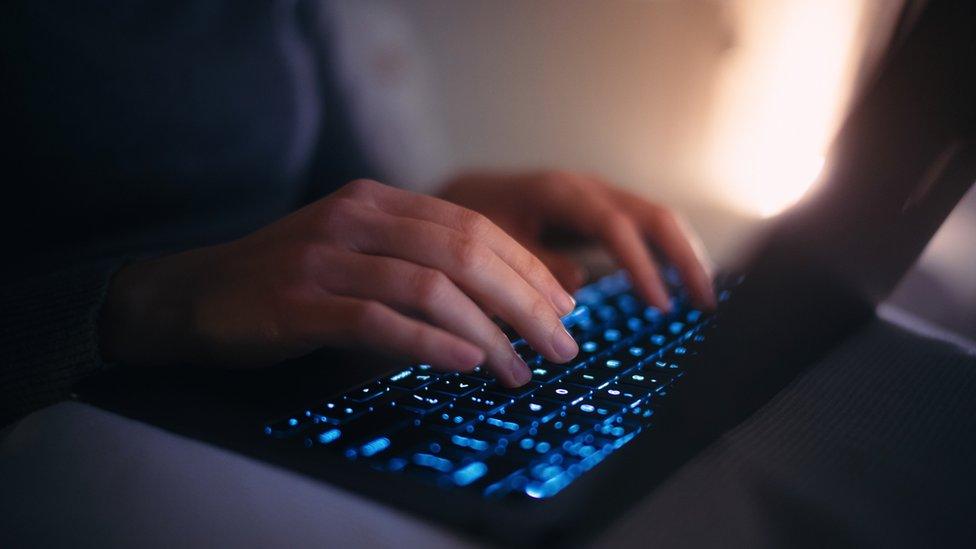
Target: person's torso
[(142, 126)]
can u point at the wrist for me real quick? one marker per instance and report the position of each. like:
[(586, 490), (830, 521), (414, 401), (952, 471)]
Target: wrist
[(144, 316)]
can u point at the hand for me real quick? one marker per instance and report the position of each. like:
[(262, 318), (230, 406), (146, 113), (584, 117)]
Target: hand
[(368, 266), (529, 207)]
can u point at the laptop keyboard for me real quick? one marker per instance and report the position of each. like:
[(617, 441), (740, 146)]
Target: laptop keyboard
[(465, 431)]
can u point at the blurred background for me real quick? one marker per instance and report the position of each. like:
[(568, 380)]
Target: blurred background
[(721, 109)]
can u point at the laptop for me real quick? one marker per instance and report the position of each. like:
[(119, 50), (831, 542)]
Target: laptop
[(554, 461)]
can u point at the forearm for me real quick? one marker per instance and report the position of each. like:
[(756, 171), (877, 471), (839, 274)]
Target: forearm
[(49, 335)]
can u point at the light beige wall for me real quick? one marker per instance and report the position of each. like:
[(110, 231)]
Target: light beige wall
[(636, 90)]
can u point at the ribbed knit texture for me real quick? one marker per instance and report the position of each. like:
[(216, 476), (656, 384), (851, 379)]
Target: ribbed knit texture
[(48, 336), (873, 446)]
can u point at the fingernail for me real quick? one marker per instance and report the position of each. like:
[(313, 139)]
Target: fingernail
[(564, 344), (564, 302), (520, 372)]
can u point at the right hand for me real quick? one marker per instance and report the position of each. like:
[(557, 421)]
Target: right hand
[(368, 266)]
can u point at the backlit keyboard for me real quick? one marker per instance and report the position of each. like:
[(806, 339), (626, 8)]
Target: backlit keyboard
[(464, 431)]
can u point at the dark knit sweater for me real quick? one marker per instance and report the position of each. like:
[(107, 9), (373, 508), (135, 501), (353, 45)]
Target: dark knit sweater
[(141, 128)]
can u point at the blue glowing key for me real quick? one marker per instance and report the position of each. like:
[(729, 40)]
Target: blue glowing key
[(469, 473), (433, 462), (469, 442), (330, 436), (652, 314), (374, 446), (634, 324)]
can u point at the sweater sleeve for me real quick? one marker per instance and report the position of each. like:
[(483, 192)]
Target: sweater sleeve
[(49, 335)]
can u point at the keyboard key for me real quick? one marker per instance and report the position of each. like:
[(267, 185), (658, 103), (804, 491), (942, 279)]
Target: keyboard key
[(530, 449), (328, 437), (600, 411), (469, 473), (366, 392), (338, 411), (432, 461), (472, 442), (503, 426), (648, 380), (481, 403), (634, 325), (423, 401), (411, 380), (622, 394), (633, 353), (618, 429), (606, 313), (370, 427), (450, 420), (374, 446), (513, 392), (544, 373), (657, 340), (538, 410), (566, 428), (455, 386), (589, 349), (663, 366), (561, 393), (615, 365), (676, 327), (628, 304), (391, 395), (592, 379)]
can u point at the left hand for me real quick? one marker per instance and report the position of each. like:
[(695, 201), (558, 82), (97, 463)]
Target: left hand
[(530, 207)]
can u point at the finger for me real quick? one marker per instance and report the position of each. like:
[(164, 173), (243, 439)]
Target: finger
[(421, 290), (677, 242), (586, 208), (568, 272), (418, 206), (478, 271), (346, 322)]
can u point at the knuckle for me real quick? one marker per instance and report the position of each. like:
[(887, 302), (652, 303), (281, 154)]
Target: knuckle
[(338, 214), (359, 188), (430, 285), (468, 254), (473, 223)]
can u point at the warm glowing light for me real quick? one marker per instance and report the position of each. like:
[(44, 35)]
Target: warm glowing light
[(784, 90)]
